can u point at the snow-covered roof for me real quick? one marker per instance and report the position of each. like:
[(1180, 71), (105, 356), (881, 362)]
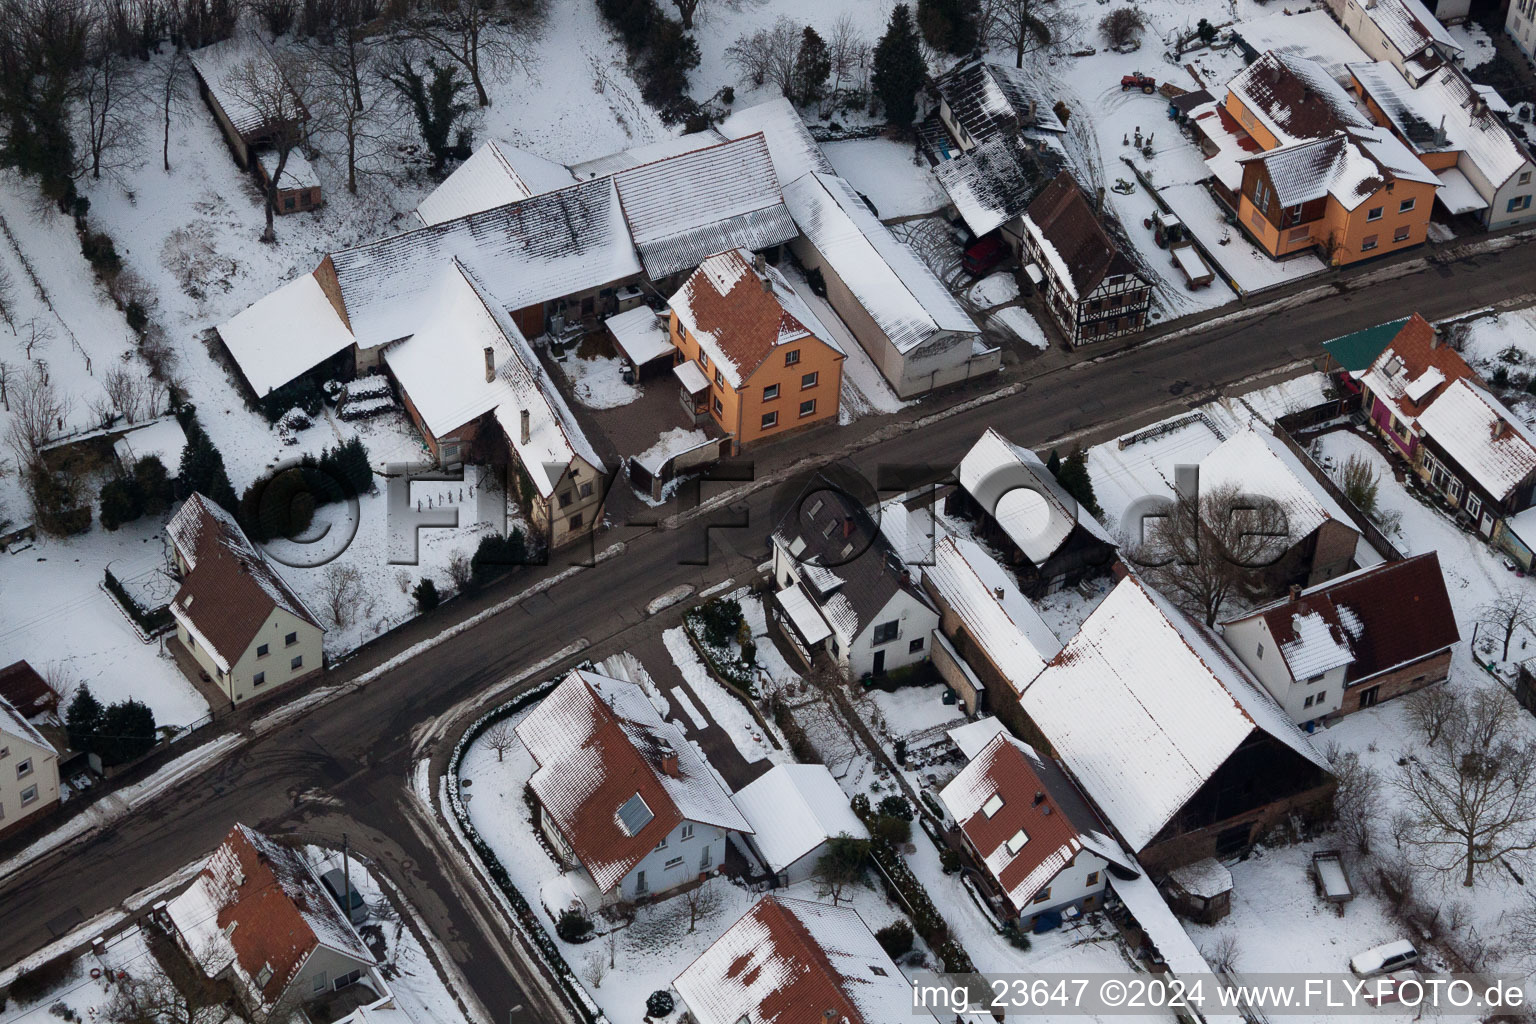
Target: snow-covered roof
[(1206, 878), (442, 369), (223, 67), (258, 905), (1313, 35), (1457, 193), (1014, 486), (995, 182), (683, 208), (641, 334), (1024, 817), (1485, 438), (1351, 165), (793, 809), (525, 253), (1258, 463), (1146, 904), (802, 612), (1408, 25), (229, 589), (494, 175), (790, 960), (1446, 112), (986, 97), (163, 439), (907, 302), (611, 163), (739, 313), (1232, 145), (298, 172), (1144, 707), (600, 744), (1295, 98), (790, 144), (14, 724), (285, 333), (1007, 628)]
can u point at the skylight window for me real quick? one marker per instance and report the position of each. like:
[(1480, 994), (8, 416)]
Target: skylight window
[(634, 815), (1016, 842), (993, 805)]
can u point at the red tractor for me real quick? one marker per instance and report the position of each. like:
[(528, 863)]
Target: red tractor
[(1137, 80)]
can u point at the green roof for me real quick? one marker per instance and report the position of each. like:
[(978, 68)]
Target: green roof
[(1356, 352)]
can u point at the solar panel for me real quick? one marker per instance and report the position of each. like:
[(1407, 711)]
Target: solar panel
[(634, 814)]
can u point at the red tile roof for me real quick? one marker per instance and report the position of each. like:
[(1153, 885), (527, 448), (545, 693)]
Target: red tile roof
[(1421, 350), (24, 689), (1389, 615), (726, 301)]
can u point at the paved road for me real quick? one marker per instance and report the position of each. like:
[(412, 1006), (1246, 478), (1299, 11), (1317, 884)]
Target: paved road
[(344, 767)]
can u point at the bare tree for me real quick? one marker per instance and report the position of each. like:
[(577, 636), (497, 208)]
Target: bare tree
[(487, 38), (1222, 953), (1356, 800), (460, 571), (170, 990), (35, 333), (362, 123), (593, 970), (1432, 709), (1208, 551), (342, 585), (37, 409), (7, 298), (1022, 26), (841, 866), (1511, 609), (611, 944), (702, 900), (686, 10), (849, 50), (500, 738), (174, 92), (126, 392), (61, 681), (1472, 799), (7, 373), (280, 89), (1122, 26), (109, 102), (767, 55)]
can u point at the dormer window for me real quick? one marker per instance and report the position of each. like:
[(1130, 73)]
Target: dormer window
[(993, 805), (264, 975), (633, 815)]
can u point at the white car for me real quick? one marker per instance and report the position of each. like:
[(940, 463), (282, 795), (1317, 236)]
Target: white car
[(1393, 956)]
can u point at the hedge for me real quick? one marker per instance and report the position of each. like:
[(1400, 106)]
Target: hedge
[(527, 917)]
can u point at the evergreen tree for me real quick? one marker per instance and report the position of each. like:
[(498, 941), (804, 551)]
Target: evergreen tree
[(426, 595), (127, 732), (899, 68), (202, 470), (434, 99), (813, 66), (1054, 463), (152, 482), (952, 26), (120, 503), (1075, 481), (83, 719)]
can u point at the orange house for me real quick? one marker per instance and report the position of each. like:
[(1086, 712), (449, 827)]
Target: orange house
[(750, 353), (1322, 176)]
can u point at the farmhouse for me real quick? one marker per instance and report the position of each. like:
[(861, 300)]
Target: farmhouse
[(1174, 741), (1352, 642), (29, 766), (623, 796), (1091, 289), (750, 353), (240, 621)]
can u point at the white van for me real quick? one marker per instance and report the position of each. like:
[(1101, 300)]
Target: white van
[(1393, 956)]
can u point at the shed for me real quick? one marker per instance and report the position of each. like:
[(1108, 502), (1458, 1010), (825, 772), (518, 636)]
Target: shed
[(1201, 891), (640, 334), (794, 811)]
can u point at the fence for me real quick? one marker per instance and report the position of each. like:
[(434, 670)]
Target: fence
[(1370, 530)]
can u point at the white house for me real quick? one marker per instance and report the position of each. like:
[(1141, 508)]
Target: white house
[(623, 797), (841, 588), (257, 915), (1035, 834), (793, 811), (29, 771), (234, 613), (790, 960), (1401, 32)]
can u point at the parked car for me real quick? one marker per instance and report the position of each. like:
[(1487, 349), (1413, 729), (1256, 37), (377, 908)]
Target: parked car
[(984, 254), (1393, 956), (335, 883)]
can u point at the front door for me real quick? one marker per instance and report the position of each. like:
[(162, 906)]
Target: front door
[(1369, 697), (879, 663)]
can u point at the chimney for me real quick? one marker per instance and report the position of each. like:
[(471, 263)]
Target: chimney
[(1500, 425), (997, 592), (668, 758), (760, 264), (1295, 592), (1434, 337), (523, 424), (1039, 799), (490, 364)]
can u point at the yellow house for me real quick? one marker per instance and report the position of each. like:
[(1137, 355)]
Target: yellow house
[(750, 353), (1322, 176)]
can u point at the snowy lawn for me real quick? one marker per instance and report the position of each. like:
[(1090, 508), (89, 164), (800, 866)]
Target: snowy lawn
[(56, 615), (646, 954), (891, 173), (911, 710), (1502, 348), (1477, 47), (596, 373), (85, 997), (994, 290)]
